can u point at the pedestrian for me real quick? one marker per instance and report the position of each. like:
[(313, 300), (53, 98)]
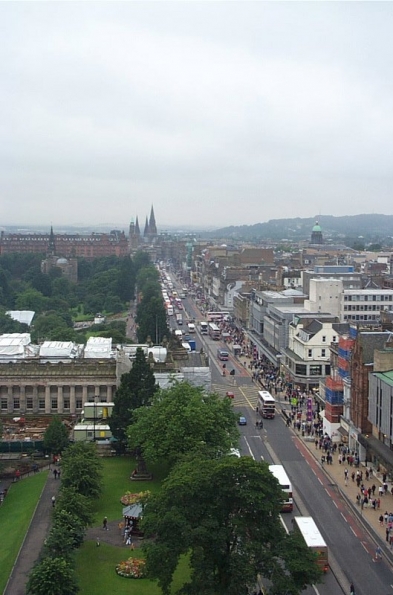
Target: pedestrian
[(381, 520), (378, 553), (105, 524), (53, 501), (261, 424), (58, 474), (346, 473), (98, 542), (55, 473), (351, 589)]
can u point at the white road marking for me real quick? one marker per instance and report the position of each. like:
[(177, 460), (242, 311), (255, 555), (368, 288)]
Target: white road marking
[(335, 504), (344, 517), (320, 481), (353, 532), (249, 448)]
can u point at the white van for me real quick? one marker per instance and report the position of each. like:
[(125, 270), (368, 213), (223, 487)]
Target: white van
[(191, 327)]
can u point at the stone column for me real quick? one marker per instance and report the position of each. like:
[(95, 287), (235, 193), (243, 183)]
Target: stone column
[(84, 395), (10, 399), (109, 393), (23, 398), (72, 399)]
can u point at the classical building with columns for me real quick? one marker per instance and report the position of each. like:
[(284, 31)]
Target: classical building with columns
[(34, 381)]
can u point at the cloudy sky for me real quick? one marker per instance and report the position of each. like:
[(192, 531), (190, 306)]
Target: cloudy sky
[(217, 113)]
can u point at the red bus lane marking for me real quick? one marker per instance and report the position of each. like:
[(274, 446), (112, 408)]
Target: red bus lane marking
[(338, 501)]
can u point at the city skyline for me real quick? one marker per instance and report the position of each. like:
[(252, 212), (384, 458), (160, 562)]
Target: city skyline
[(217, 113)]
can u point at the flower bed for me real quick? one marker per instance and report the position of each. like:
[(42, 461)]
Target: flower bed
[(131, 568), (130, 498)]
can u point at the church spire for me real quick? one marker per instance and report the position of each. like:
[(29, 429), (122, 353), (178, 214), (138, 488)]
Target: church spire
[(51, 243), (152, 223), (137, 230)]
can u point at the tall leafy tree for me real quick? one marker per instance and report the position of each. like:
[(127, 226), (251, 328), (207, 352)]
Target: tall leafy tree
[(56, 437), (52, 576), (72, 502), (224, 514), (136, 389), (182, 419), (82, 469), (151, 320)]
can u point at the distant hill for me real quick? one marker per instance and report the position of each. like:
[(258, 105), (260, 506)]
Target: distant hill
[(371, 227)]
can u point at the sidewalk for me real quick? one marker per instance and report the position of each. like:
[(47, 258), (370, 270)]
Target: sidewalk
[(367, 515), (34, 538)]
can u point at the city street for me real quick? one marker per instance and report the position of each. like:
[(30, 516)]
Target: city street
[(351, 542)]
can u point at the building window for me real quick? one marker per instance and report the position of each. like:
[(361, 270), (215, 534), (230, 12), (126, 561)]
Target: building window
[(334, 340), (66, 403), (315, 370), (4, 403), (301, 370), (54, 403), (29, 402), (41, 403), (16, 404), (309, 352), (78, 403), (323, 339), (323, 352)]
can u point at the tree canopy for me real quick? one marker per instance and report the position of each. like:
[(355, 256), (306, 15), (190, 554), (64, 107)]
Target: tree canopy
[(182, 419), (56, 437), (223, 513), (82, 469), (136, 389)]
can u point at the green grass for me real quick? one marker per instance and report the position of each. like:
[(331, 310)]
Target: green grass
[(95, 566), (97, 576), (15, 515), (117, 471)]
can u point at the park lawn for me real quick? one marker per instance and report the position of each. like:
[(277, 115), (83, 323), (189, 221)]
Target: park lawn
[(97, 576), (15, 515), (116, 475)]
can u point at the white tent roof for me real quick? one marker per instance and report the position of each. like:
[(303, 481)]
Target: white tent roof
[(58, 349), (16, 345), (98, 347), (23, 316)]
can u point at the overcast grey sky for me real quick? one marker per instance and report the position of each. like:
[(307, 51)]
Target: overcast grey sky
[(218, 113)]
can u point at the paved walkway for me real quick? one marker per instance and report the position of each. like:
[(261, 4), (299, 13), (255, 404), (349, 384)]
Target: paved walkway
[(34, 538)]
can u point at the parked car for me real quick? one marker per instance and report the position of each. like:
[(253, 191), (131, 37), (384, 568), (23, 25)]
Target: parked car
[(242, 421)]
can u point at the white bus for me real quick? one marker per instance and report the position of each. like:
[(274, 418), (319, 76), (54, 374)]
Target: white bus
[(306, 526), (266, 404), (214, 331), (279, 473), (204, 328), (217, 316)]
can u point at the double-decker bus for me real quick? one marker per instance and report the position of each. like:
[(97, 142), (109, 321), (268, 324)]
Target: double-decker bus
[(280, 474), (216, 316), (204, 328), (305, 525), (266, 404), (214, 331)]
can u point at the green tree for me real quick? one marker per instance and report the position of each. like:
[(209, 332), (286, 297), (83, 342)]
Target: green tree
[(72, 523), (31, 299), (224, 514), (151, 320), (71, 501), (183, 419), (52, 576), (136, 389), (59, 543), (56, 437), (82, 469)]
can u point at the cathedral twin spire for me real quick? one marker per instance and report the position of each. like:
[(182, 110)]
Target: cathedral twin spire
[(150, 230)]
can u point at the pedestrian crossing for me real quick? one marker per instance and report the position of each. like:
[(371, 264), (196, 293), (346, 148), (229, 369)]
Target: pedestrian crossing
[(247, 394)]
